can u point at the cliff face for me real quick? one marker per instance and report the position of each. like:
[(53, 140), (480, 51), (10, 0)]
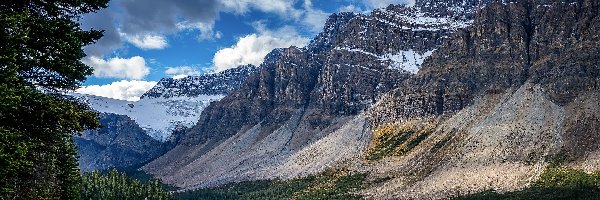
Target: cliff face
[(497, 102), (307, 96), (509, 44)]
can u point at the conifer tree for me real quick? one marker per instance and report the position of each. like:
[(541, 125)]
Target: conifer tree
[(41, 49)]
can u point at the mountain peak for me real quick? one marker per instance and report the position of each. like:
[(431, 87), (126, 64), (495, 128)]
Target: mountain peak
[(221, 83)]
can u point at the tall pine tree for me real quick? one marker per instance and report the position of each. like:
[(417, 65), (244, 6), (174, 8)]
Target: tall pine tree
[(41, 49)]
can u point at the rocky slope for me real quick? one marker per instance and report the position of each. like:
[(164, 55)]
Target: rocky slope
[(498, 102), (307, 104)]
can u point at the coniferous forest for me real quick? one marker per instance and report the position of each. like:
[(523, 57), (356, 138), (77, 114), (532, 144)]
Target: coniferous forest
[(40, 57)]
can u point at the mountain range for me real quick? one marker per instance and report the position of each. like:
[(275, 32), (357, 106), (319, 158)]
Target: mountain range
[(436, 99)]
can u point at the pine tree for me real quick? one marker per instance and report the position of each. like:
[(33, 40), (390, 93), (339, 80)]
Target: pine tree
[(41, 48)]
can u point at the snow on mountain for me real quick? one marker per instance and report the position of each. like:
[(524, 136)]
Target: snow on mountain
[(408, 60), (173, 103), (157, 116)]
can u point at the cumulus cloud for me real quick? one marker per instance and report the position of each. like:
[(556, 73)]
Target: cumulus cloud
[(160, 16), (251, 49), (181, 72), (126, 68), (123, 90), (148, 41)]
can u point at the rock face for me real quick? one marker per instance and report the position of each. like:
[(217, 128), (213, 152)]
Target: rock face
[(136, 132), (304, 97), (501, 98), (120, 143)]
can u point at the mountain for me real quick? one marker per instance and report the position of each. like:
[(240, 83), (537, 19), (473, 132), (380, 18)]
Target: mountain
[(174, 103), (215, 84), (496, 104), (136, 132), (305, 111), (435, 100), (119, 143)]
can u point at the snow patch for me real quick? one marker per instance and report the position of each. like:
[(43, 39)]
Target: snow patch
[(410, 60), (159, 117)]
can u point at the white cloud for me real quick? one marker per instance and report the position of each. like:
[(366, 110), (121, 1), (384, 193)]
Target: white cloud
[(351, 8), (314, 18), (252, 49), (207, 31), (126, 68), (147, 41), (181, 72), (281, 7), (123, 90), (373, 4)]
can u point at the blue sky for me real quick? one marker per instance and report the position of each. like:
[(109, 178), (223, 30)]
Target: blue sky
[(146, 40)]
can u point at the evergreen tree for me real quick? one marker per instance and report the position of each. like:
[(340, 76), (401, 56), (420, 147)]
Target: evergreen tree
[(41, 49), (116, 185)]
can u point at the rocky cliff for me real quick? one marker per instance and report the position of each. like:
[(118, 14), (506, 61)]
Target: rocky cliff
[(306, 104), (493, 106)]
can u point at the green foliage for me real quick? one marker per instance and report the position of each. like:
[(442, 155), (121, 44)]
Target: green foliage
[(555, 183), (394, 141), (41, 157), (328, 185), (117, 185), (42, 43), (41, 48)]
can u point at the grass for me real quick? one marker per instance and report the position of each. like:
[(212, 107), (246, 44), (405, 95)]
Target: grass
[(327, 185), (555, 183)]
